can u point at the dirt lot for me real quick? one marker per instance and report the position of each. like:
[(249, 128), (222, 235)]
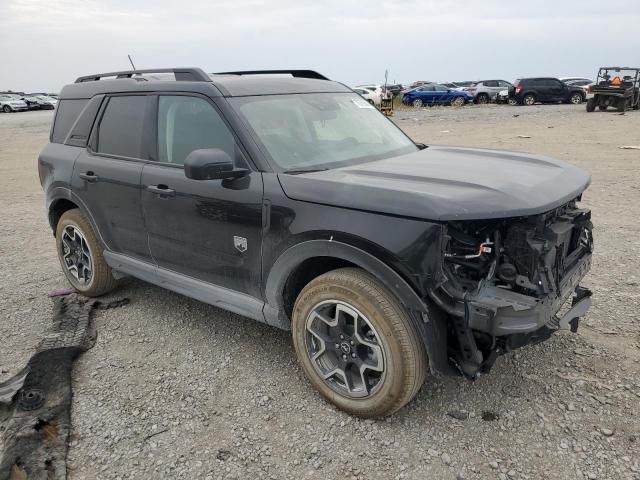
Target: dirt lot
[(178, 389)]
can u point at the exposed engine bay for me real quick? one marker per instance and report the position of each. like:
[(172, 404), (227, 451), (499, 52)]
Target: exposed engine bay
[(505, 280)]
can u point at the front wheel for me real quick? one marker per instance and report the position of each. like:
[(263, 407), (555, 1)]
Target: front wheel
[(576, 99), (457, 102), (417, 103), (80, 256), (482, 99), (357, 344), (591, 105), (7, 109)]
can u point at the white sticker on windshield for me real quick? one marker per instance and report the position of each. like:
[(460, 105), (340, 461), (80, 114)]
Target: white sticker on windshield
[(361, 103)]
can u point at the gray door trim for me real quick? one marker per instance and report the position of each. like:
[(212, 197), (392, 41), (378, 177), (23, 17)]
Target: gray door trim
[(220, 297)]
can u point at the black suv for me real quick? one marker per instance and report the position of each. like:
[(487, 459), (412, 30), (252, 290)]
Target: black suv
[(292, 201), (527, 91)]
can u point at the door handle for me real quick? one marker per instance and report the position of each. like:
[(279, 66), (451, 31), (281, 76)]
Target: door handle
[(161, 190), (89, 177)]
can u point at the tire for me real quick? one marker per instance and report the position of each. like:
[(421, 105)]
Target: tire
[(457, 102), (603, 108), (482, 99), (371, 102), (512, 101), (622, 105), (529, 99), (576, 98), (591, 105), (7, 109), (351, 296), (417, 103), (74, 234)]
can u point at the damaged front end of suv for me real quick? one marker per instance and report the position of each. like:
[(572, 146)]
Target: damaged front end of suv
[(505, 281)]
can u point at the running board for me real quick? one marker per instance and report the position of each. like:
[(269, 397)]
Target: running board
[(220, 297)]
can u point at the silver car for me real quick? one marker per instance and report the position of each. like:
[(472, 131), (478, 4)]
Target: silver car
[(486, 91), (11, 103)]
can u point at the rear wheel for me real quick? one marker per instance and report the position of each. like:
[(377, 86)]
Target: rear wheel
[(529, 99), (7, 109), (357, 344), (603, 107), (417, 103), (80, 256)]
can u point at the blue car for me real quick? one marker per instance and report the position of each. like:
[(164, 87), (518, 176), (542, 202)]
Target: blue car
[(434, 94)]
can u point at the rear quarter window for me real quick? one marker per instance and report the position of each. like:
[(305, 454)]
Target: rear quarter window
[(66, 115)]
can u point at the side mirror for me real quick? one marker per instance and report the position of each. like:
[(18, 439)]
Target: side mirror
[(211, 164)]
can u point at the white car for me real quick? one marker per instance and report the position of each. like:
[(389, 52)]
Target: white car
[(376, 89), (12, 103), (371, 97)]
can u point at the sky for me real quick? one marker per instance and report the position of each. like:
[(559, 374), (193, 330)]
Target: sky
[(45, 44)]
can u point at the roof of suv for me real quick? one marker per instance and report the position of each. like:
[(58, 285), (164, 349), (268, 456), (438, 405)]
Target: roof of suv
[(227, 84)]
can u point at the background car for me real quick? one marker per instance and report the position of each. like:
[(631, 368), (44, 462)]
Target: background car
[(51, 101), (528, 91), (12, 103), (36, 103), (569, 80), (393, 89), (413, 85), (435, 94), (584, 83), (369, 96), (463, 84), (486, 91), (376, 90)]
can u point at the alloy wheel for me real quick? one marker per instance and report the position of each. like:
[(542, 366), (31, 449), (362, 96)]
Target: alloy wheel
[(576, 99), (344, 349), (417, 102), (458, 102), (76, 255)]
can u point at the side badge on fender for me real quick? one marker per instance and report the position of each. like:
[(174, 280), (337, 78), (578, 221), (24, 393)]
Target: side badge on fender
[(240, 243)]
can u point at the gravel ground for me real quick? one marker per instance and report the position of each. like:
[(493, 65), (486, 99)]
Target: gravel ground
[(178, 389)]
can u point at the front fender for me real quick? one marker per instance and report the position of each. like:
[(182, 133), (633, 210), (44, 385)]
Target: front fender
[(429, 321)]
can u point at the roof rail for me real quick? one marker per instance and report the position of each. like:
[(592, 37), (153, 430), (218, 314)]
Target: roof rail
[(181, 74), (293, 73)]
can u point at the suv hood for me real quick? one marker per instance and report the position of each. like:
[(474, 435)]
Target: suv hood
[(445, 183)]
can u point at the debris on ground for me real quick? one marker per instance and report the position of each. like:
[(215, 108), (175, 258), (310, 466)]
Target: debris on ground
[(35, 404)]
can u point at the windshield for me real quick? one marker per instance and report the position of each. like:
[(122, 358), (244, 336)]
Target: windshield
[(321, 130)]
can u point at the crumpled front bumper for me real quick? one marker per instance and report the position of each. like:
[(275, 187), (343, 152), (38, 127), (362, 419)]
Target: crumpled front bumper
[(501, 312)]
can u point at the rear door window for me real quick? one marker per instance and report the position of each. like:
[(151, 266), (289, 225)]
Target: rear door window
[(121, 126), (66, 115)]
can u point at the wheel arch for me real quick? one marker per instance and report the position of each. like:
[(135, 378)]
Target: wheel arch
[(304, 261), (61, 200), (57, 208)]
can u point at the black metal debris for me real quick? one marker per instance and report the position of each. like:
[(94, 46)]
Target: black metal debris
[(35, 404)]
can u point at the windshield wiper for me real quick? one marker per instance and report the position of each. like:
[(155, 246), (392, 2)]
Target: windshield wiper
[(309, 170)]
